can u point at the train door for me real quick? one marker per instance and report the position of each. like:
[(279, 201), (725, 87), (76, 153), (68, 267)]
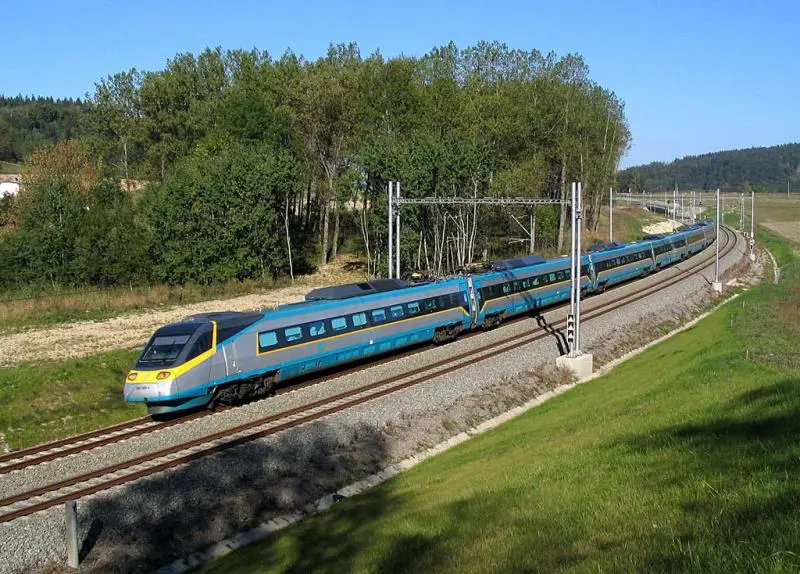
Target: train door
[(473, 302), (231, 367), (591, 273)]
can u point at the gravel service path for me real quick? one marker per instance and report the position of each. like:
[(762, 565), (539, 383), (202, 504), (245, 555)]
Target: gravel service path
[(149, 522)]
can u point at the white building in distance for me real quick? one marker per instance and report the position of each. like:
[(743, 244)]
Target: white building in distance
[(8, 188)]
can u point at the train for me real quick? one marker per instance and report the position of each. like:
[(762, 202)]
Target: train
[(227, 358)]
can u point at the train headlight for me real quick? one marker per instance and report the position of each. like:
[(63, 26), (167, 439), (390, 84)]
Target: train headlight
[(162, 375), (132, 376)]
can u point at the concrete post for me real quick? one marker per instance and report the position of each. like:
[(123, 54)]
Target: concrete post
[(573, 234), (752, 225), (717, 284), (71, 515), (397, 234), (391, 230), (580, 364), (579, 225)]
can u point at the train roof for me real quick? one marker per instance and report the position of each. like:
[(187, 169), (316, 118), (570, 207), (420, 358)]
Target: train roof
[(223, 318), (608, 246), (349, 290), (508, 264)]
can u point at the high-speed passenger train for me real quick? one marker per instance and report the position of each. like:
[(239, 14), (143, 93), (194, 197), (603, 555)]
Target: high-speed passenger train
[(231, 357)]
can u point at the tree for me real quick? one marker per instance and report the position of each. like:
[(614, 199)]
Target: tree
[(54, 196), (217, 216), (116, 111)]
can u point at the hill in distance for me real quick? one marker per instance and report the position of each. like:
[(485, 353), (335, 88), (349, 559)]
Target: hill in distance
[(757, 168)]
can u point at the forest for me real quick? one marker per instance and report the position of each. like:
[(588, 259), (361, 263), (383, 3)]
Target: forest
[(757, 168), (237, 165), (27, 123)]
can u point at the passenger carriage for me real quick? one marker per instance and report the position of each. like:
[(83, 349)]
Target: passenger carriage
[(207, 358), (617, 262), (523, 285)]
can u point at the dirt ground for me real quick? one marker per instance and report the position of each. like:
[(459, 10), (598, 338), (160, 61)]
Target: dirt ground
[(788, 229), (85, 338), (667, 226)]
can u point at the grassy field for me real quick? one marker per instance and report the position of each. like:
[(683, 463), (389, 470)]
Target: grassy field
[(50, 400), (52, 305), (35, 309), (776, 207), (683, 459), (6, 167)]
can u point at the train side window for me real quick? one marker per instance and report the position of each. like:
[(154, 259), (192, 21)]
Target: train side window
[(378, 315), (359, 319), (535, 281), (506, 288), (293, 334), (396, 311), (202, 345), (316, 329), (526, 283), (430, 305), (413, 308), (268, 339), (339, 323), (552, 277)]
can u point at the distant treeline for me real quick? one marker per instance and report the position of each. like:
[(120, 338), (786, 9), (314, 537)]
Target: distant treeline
[(27, 123), (759, 168), (259, 166)]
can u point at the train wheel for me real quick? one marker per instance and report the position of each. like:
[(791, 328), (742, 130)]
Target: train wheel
[(242, 392), (447, 333)]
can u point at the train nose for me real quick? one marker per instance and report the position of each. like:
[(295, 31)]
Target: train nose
[(148, 385)]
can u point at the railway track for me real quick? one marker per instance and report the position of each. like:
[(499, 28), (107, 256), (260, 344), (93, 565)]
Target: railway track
[(82, 485)]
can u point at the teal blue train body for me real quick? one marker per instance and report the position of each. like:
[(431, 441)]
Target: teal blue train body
[(230, 357)]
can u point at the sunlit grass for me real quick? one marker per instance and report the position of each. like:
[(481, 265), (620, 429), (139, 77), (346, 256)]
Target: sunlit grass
[(50, 400), (8, 167)]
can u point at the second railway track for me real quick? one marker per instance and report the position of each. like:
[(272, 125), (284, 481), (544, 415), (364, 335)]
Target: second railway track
[(78, 486)]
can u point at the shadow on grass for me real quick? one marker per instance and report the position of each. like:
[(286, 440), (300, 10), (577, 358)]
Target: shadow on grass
[(156, 520), (734, 471)]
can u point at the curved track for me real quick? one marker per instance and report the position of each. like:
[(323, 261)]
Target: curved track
[(26, 503)]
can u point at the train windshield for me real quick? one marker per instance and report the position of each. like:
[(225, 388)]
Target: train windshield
[(164, 349), (166, 346)]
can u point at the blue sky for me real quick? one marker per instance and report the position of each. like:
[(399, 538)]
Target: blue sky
[(695, 76)]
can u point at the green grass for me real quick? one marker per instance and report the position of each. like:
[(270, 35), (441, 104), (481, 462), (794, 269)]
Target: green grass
[(8, 167), (778, 246), (49, 400), (683, 459)]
